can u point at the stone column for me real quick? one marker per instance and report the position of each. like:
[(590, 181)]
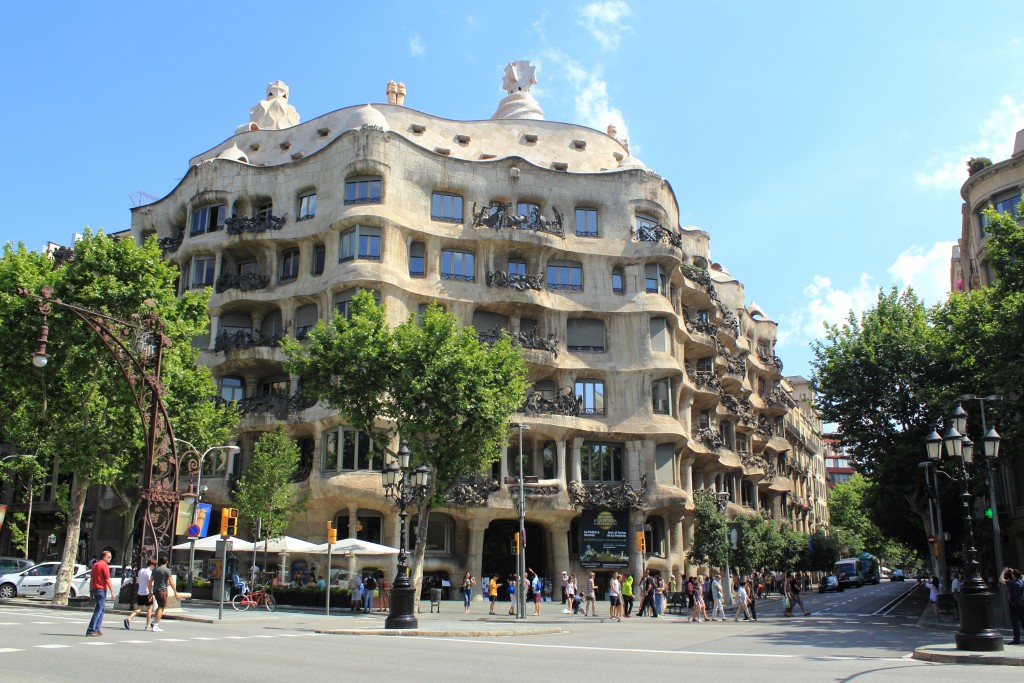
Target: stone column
[(577, 444), (776, 502), (560, 464), (214, 329), (634, 464), (686, 475), (676, 547), (558, 538), (504, 464), (689, 524), (636, 523), (755, 503), (475, 557)]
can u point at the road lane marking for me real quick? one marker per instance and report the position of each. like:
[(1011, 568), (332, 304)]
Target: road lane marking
[(51, 647), (96, 643), (136, 642), (4, 650)]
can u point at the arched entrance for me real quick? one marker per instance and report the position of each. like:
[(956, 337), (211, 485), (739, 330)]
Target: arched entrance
[(498, 559)]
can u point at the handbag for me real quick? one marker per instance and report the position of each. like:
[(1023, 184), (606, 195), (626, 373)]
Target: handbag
[(785, 602)]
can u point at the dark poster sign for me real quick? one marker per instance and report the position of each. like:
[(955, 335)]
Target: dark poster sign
[(604, 537)]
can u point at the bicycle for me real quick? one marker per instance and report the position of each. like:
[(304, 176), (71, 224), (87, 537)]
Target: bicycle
[(254, 598)]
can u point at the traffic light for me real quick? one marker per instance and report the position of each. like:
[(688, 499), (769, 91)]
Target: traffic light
[(988, 513), (332, 533), (641, 542), (515, 544), (228, 521)]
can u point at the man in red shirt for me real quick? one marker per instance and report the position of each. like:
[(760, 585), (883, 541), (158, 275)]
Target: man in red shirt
[(99, 586)]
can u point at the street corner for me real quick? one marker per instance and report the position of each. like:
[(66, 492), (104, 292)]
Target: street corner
[(947, 653)]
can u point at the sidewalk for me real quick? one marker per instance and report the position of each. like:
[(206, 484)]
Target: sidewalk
[(946, 652)]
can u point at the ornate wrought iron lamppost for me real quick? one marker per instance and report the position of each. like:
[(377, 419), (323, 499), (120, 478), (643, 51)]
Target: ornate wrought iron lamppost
[(406, 487), (137, 347), (977, 622)]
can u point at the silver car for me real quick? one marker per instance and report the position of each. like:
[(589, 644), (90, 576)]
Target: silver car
[(80, 582)]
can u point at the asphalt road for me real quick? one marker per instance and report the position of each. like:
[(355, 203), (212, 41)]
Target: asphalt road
[(848, 637)]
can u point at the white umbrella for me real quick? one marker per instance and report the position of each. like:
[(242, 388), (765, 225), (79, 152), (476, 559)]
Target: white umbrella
[(355, 546), (285, 544), (209, 544)]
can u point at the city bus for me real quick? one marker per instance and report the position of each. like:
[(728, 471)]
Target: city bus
[(869, 568)]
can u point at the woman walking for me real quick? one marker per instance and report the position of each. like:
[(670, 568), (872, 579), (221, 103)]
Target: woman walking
[(701, 611), (467, 589), (591, 603), (570, 594)]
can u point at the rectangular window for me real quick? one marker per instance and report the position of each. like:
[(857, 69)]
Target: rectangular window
[(362, 242), (457, 265), (343, 301), (347, 450), (527, 210), (618, 281), (319, 256), (1008, 205), (591, 393), (362, 191), (661, 397), (704, 419), (644, 222), (703, 315), (446, 207), (600, 462), (664, 464), (290, 265), (586, 222), (305, 320), (265, 210), (565, 275), (417, 259), (655, 279), (585, 334), (202, 271), (208, 219), (742, 443), (307, 206), (659, 335), (516, 267)]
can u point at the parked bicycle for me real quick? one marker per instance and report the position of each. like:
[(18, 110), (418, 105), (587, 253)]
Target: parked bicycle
[(254, 598)]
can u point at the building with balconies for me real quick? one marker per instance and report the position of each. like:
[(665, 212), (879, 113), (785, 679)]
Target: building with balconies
[(651, 379)]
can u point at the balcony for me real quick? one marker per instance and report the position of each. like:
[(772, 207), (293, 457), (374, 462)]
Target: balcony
[(562, 403), (237, 225), (497, 217), (245, 338), (244, 282), (517, 281)]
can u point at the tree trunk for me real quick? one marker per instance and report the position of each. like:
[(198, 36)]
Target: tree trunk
[(421, 547), (67, 563), (28, 519)]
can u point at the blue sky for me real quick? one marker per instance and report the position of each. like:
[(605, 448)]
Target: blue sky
[(820, 144)]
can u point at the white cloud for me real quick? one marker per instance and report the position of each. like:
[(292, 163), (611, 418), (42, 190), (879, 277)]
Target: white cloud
[(592, 104), (606, 22), (417, 47), (927, 272), (948, 171), (471, 21)]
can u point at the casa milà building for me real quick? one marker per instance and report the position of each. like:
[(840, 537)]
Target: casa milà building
[(650, 377)]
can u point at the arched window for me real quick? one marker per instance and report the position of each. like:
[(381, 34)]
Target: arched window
[(232, 388)]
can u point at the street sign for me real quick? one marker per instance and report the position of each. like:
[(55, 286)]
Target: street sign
[(931, 539), (53, 538), (193, 532)]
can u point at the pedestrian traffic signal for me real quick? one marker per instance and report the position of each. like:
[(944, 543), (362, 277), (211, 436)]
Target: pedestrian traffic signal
[(515, 544), (641, 542), (228, 521), (988, 513), (332, 533)]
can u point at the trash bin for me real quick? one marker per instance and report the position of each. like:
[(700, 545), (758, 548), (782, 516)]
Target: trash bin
[(435, 600)]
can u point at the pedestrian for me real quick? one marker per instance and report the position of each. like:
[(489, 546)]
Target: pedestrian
[(717, 597), (794, 596), (958, 580), (741, 601), (513, 580), (691, 599), (538, 592), (355, 590), (702, 611), (385, 594), (615, 597), (575, 599), (933, 595), (565, 589), (467, 590), (647, 599), (627, 596), (1014, 581), (161, 581), (590, 607), (143, 596), (99, 586), (659, 595), (492, 592), (752, 597), (369, 589)]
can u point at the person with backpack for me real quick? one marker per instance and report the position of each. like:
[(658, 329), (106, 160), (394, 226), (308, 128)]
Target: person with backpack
[(647, 602), (369, 588), (537, 588), (513, 580)]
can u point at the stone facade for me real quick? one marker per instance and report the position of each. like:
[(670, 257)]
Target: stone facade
[(651, 379)]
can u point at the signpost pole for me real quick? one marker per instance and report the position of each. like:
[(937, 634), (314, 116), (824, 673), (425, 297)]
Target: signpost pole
[(328, 612)]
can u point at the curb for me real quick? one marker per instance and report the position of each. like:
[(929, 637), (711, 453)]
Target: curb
[(76, 608), (945, 655), (442, 633)]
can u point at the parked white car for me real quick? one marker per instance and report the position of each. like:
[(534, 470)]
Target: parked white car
[(29, 581), (80, 582)]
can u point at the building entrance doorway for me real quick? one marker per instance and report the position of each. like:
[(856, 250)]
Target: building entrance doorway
[(498, 559)]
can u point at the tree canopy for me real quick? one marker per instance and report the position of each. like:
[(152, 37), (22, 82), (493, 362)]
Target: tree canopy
[(710, 535), (78, 410), (430, 381), (265, 492)]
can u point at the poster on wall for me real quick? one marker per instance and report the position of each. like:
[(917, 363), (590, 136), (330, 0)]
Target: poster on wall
[(604, 539)]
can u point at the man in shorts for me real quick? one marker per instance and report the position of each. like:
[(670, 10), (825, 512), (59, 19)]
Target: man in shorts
[(143, 597), (615, 597), (160, 581)]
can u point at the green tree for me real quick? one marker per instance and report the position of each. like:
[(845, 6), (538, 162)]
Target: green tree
[(710, 535), (265, 491), (78, 410), (26, 472), (823, 551), (434, 383)]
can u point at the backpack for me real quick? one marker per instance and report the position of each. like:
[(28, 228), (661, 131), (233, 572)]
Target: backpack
[(370, 583), (511, 589)]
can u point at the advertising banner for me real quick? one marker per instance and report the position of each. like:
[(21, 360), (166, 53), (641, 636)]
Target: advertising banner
[(203, 519), (604, 538), (3, 513)]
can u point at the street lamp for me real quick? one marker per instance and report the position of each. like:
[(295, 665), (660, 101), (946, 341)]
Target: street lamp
[(137, 347), (406, 487), (521, 558), (977, 632), (933, 445), (198, 495)]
